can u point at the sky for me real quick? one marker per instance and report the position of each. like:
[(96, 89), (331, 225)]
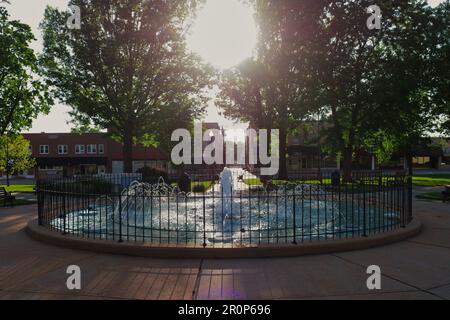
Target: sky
[(224, 35)]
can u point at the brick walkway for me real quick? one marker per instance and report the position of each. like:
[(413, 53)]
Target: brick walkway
[(413, 269)]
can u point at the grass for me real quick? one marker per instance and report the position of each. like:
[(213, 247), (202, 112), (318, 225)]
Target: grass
[(253, 182), (257, 182), (18, 202), (431, 180), (23, 188), (434, 196)]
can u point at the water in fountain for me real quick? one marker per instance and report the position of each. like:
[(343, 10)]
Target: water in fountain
[(226, 188), (226, 185)]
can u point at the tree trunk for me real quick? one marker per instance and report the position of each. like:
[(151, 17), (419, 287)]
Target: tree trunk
[(282, 174), (409, 159), (348, 155), (128, 152), (347, 163)]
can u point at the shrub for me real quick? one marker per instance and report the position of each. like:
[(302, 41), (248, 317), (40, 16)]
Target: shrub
[(198, 188), (151, 174), (81, 185)]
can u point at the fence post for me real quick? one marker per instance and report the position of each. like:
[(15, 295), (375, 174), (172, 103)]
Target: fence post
[(120, 218), (65, 215), (364, 208), (403, 218), (294, 220), (410, 197), (40, 202), (204, 222)]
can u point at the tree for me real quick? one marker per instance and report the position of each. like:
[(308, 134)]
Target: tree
[(441, 64), (272, 91), (126, 67), (22, 94), (349, 52), (15, 155), (375, 81), (409, 90)]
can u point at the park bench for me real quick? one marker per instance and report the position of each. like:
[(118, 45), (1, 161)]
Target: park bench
[(446, 194), (6, 197)]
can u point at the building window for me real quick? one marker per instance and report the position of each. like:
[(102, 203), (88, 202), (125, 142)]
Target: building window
[(79, 149), (62, 149), (91, 148), (101, 149), (43, 149)]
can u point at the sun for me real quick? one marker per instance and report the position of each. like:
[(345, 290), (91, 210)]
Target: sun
[(224, 33)]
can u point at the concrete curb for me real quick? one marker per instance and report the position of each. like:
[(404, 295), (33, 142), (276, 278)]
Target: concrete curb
[(189, 252)]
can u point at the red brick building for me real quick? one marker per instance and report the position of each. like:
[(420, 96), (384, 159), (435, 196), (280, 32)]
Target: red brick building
[(67, 154)]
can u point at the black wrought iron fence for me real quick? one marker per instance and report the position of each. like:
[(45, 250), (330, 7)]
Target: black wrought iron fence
[(244, 210)]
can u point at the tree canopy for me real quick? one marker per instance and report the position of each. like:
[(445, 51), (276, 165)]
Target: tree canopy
[(379, 90), (23, 95), (14, 149), (273, 90), (127, 68)]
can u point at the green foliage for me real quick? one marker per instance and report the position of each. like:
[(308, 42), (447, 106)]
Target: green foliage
[(152, 174), (127, 69), (441, 66), (381, 144), (377, 89), (22, 94), (273, 90), (201, 186), (16, 150), (81, 185), (85, 128)]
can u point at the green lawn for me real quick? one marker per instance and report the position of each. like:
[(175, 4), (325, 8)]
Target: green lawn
[(24, 188), (201, 186), (437, 196), (257, 182), (18, 202), (253, 182), (432, 180)]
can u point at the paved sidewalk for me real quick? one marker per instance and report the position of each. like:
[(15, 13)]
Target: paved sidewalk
[(415, 269), (25, 196)]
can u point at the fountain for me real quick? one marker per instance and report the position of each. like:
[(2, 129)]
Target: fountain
[(231, 213), (226, 213), (226, 188)]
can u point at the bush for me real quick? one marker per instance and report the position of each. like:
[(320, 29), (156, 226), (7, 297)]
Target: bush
[(199, 188), (151, 174), (81, 185)]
